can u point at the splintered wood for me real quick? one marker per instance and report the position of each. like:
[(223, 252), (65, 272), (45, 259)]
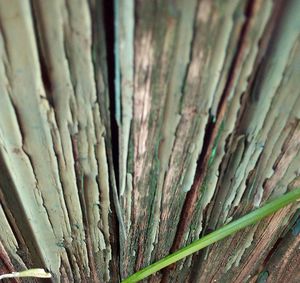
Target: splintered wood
[(129, 129)]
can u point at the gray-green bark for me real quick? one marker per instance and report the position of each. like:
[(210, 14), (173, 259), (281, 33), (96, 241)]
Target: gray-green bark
[(206, 102)]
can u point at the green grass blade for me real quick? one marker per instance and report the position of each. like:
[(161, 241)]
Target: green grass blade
[(227, 230)]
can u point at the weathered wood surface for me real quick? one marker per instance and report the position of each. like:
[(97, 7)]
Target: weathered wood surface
[(127, 132)]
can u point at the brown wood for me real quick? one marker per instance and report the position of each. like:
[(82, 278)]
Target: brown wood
[(130, 128)]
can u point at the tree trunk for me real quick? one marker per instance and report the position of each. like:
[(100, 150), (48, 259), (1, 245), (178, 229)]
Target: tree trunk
[(130, 128)]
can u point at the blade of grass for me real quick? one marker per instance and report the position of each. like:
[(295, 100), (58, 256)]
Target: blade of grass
[(225, 231), (34, 272)]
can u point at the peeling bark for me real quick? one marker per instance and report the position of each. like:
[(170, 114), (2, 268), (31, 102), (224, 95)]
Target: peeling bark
[(130, 128)]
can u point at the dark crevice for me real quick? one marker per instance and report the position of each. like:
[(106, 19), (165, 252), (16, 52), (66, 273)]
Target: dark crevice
[(206, 141), (45, 74), (109, 23), (113, 159), (232, 73)]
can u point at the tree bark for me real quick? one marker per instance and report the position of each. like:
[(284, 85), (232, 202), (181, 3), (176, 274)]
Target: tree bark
[(128, 129)]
